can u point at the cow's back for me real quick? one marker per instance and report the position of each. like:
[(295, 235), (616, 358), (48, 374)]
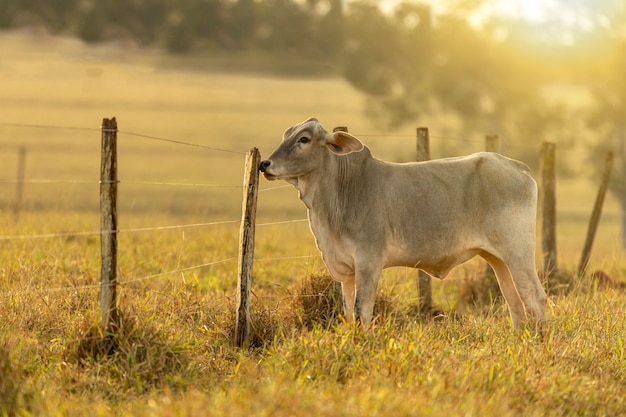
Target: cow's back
[(470, 185)]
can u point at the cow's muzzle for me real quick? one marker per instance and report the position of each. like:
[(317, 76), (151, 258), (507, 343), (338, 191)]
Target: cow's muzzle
[(264, 165)]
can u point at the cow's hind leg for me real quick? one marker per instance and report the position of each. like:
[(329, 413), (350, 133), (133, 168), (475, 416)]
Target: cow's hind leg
[(508, 288), (529, 286)]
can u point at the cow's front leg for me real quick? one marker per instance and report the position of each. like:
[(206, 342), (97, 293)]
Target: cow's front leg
[(348, 290), (366, 283)]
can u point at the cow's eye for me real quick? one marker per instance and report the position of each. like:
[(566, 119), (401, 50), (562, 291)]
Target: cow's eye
[(304, 139)]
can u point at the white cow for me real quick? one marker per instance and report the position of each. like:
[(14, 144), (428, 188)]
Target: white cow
[(367, 214)]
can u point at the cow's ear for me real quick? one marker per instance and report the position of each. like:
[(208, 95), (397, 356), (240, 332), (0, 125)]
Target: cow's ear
[(343, 143)]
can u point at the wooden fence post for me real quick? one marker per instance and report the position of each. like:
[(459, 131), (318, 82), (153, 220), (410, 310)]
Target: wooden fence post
[(423, 279), (548, 202), (109, 316), (246, 247), (595, 215), (21, 173), (492, 143)]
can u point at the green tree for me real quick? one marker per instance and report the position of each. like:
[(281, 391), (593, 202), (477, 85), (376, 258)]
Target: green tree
[(8, 13), (416, 66), (242, 24), (609, 119)]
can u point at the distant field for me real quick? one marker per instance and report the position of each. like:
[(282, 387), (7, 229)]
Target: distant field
[(175, 358)]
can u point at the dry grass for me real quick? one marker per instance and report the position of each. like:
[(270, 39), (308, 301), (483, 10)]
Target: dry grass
[(172, 355)]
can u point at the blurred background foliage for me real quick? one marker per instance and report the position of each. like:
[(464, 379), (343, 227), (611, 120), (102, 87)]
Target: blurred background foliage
[(492, 62), (524, 69)]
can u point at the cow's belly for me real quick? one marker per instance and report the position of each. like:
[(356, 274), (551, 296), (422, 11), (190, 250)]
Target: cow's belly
[(437, 263)]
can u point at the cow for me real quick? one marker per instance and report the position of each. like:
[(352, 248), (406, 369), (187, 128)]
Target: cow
[(367, 214)]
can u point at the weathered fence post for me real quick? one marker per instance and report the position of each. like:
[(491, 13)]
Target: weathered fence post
[(109, 318), (423, 279), (246, 247), (548, 202), (492, 144), (21, 173), (595, 215)]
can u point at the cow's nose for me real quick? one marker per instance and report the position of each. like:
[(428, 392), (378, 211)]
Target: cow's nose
[(264, 164)]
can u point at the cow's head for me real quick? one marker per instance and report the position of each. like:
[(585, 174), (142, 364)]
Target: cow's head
[(304, 148)]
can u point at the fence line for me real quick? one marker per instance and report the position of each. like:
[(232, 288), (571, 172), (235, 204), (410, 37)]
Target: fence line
[(169, 140), (98, 233), (510, 143), (114, 231), (574, 211), (189, 268), (61, 181), (39, 126), (138, 229), (46, 181), (140, 135), (479, 141), (177, 184)]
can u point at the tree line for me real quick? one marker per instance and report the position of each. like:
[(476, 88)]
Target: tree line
[(182, 25)]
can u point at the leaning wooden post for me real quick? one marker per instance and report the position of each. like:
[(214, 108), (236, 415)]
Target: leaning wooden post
[(595, 215), (423, 279), (492, 144), (246, 247), (548, 199), (109, 317), (21, 173)]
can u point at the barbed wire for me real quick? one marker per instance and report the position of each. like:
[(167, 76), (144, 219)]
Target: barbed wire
[(282, 222), (45, 126), (45, 181), (140, 135), (560, 211), (133, 182), (177, 271), (179, 142), (120, 231), (137, 229)]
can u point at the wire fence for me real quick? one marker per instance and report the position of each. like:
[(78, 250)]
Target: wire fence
[(93, 233), (178, 142)]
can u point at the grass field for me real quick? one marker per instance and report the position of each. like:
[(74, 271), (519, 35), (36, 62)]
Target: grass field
[(173, 356)]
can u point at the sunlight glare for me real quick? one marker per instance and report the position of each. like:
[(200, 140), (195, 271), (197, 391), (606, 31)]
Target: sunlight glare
[(566, 13)]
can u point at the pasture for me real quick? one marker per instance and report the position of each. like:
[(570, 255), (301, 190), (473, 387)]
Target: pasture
[(179, 208)]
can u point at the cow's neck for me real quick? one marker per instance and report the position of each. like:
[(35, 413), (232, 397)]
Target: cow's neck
[(327, 192), (307, 189)]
